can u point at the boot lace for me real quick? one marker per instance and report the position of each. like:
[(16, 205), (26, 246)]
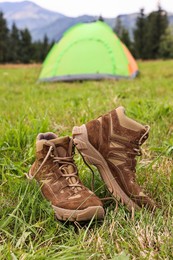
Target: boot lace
[(137, 150), (65, 164)]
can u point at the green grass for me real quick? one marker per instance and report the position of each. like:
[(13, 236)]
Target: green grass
[(28, 229)]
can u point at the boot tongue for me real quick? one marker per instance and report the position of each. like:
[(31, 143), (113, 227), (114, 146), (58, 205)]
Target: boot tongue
[(72, 179), (64, 149), (63, 146)]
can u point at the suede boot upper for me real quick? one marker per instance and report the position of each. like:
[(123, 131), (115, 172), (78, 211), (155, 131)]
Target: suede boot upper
[(57, 174)]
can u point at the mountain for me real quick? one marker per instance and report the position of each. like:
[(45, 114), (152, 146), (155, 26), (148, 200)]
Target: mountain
[(170, 18), (28, 14), (55, 30), (41, 22)]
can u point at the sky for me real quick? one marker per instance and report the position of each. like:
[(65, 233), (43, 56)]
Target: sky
[(106, 8)]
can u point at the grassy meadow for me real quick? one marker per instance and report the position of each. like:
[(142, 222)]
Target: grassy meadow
[(28, 228)]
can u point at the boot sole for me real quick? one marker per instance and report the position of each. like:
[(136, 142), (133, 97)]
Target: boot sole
[(92, 156), (93, 212)]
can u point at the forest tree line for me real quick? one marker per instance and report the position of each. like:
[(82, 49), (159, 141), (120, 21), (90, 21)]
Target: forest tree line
[(152, 39), (16, 46), (152, 36)]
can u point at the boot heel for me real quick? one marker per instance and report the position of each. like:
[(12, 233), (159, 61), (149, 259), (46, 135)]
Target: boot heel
[(77, 130), (79, 144)]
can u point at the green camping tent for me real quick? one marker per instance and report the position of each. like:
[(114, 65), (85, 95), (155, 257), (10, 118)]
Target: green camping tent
[(88, 51)]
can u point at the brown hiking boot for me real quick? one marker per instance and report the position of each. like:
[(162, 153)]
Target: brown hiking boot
[(56, 171), (111, 143)]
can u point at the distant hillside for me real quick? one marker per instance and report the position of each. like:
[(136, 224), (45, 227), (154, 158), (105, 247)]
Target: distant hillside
[(41, 21), (28, 14), (55, 30)]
